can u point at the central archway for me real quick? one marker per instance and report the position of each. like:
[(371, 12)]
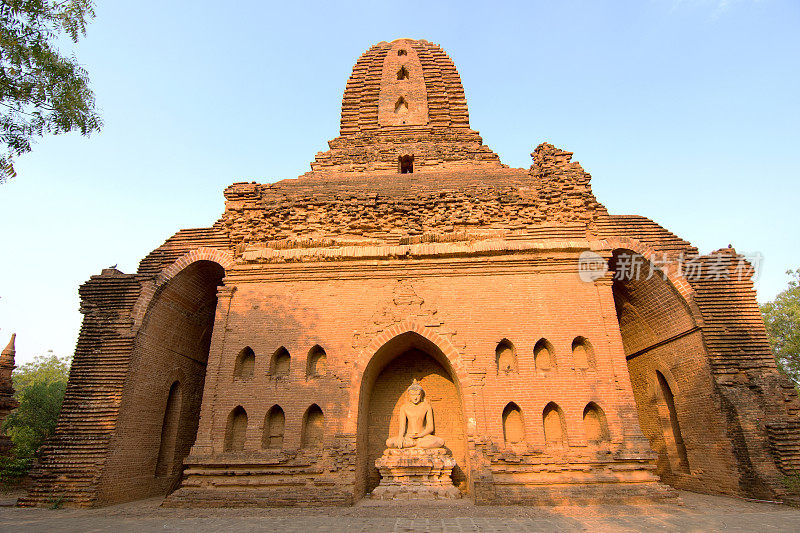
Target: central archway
[(406, 357)]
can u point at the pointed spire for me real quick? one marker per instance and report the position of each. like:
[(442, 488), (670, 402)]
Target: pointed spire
[(10, 348), (7, 401), (7, 356)]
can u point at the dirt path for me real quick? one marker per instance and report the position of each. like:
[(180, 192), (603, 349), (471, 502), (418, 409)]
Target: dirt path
[(695, 512)]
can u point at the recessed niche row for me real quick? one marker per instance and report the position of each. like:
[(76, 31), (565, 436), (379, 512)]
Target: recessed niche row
[(311, 433), (544, 356), (595, 426), (280, 363)]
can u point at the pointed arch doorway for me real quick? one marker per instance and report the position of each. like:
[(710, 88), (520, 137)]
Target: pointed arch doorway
[(391, 370)]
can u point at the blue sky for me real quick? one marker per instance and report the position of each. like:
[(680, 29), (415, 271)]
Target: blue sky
[(683, 111)]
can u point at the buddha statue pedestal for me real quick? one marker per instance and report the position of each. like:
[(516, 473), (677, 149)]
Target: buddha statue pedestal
[(415, 464), (411, 473)]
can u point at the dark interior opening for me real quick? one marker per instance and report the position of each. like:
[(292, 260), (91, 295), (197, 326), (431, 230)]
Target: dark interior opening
[(406, 164)]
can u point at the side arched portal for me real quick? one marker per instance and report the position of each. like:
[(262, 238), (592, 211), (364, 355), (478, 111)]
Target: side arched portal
[(677, 399), (160, 408), (391, 370)]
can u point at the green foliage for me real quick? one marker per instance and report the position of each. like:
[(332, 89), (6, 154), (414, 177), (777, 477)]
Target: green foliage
[(12, 469), (40, 387), (782, 318), (56, 502), (40, 90)]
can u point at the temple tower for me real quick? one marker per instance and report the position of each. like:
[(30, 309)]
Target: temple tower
[(404, 110), (7, 401)]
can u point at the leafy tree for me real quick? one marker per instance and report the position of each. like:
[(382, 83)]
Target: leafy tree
[(782, 318), (40, 90), (40, 387)]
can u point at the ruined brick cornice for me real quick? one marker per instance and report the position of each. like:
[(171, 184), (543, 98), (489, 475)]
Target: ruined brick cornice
[(562, 185), (466, 202), (489, 247), (508, 262)]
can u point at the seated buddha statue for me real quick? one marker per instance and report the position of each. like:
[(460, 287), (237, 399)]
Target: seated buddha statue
[(415, 428)]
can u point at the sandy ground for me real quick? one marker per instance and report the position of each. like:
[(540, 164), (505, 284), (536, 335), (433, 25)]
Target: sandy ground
[(694, 512)]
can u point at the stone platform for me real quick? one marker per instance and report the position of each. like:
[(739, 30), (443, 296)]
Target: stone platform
[(415, 473)]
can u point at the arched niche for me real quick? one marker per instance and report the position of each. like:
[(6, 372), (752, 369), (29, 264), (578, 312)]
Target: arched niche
[(383, 391), (317, 362), (236, 430), (166, 463), (313, 434), (513, 424), (505, 357), (274, 426), (401, 106), (555, 428), (245, 364), (281, 363), (544, 356), (674, 446), (595, 425), (583, 353)]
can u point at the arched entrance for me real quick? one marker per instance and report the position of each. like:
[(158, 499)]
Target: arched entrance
[(160, 408), (391, 370), (678, 401), (657, 330)]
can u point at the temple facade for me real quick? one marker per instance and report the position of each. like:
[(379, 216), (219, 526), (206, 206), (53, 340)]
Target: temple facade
[(566, 354)]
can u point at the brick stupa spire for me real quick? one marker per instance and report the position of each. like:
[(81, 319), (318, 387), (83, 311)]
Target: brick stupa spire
[(404, 110), (7, 401)]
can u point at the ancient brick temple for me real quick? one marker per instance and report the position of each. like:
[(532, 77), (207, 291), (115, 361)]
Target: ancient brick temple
[(262, 360)]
